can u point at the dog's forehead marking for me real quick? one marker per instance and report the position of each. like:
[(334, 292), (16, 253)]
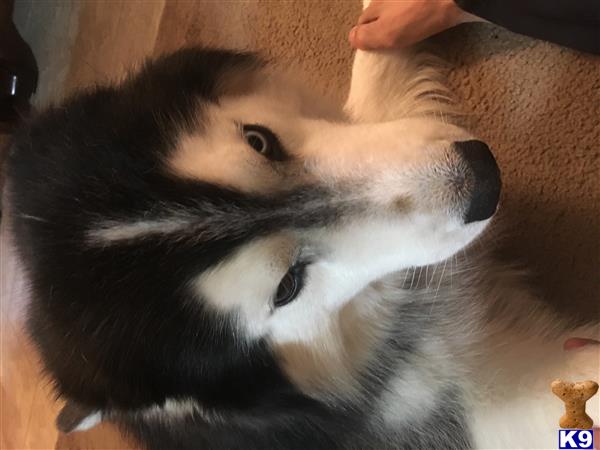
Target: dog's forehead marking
[(305, 207), (113, 231)]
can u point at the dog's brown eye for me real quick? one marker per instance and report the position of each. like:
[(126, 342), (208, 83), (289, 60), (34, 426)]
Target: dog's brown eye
[(290, 286), (264, 141)]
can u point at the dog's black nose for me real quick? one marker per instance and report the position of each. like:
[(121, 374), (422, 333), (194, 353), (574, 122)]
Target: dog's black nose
[(485, 191)]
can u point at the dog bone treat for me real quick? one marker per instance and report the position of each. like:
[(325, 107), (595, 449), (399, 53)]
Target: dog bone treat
[(575, 395)]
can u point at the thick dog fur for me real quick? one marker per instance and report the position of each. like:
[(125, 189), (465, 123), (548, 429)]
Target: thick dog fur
[(155, 238)]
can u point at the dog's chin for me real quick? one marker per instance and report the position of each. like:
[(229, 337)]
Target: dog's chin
[(455, 241), (466, 237)]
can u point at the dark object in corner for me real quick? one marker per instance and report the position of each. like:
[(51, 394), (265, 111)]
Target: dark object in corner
[(571, 23), (18, 71)]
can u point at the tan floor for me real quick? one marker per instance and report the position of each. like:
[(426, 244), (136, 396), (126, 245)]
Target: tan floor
[(25, 411), (535, 103)]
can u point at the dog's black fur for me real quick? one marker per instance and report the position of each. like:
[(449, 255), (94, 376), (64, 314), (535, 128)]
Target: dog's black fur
[(116, 328)]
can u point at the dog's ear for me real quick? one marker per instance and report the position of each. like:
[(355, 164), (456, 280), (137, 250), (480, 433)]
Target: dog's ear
[(76, 417)]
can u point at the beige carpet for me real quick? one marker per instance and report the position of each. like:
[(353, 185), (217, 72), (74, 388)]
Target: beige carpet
[(538, 106)]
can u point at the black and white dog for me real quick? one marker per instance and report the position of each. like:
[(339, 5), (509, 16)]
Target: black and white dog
[(218, 260)]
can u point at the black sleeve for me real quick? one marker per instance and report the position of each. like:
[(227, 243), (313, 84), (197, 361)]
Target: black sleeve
[(572, 23)]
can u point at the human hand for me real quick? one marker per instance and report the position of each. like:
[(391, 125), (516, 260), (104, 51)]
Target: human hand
[(574, 343), (400, 23)]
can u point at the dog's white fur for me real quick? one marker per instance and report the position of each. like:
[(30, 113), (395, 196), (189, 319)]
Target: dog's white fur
[(506, 364), (521, 351), (397, 104)]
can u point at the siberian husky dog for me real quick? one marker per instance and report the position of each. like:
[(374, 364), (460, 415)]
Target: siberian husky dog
[(218, 260)]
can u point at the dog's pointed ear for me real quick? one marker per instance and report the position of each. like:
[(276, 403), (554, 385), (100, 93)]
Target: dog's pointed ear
[(76, 417)]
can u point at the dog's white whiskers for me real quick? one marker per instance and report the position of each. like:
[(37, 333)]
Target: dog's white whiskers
[(419, 277), (441, 279), (34, 218), (456, 269), (413, 277), (405, 277), (435, 266), (434, 301)]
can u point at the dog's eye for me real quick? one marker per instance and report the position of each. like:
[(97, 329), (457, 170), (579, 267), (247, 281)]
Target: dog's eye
[(290, 285), (264, 142)]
